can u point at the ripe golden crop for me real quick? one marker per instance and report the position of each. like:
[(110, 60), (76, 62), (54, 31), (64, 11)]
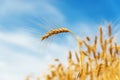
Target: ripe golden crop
[(100, 60)]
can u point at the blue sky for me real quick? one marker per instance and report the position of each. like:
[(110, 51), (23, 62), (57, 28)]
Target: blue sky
[(22, 22)]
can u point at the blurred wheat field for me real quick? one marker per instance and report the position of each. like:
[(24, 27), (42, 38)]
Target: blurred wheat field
[(98, 61)]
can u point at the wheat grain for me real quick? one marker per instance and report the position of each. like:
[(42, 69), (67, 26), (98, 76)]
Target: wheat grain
[(95, 40), (88, 38), (56, 59), (70, 55)]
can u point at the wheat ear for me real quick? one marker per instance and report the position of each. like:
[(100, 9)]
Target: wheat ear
[(54, 32)]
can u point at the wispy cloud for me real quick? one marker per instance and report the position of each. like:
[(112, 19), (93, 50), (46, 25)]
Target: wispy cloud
[(12, 7), (16, 11), (20, 52), (20, 56)]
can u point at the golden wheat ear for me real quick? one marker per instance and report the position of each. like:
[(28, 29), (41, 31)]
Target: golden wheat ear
[(54, 32), (109, 30)]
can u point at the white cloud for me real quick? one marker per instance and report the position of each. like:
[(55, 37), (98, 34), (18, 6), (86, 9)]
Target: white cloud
[(9, 7), (49, 12), (40, 9), (19, 39)]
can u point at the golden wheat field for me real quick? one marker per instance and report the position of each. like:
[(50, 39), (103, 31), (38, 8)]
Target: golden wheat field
[(97, 61)]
